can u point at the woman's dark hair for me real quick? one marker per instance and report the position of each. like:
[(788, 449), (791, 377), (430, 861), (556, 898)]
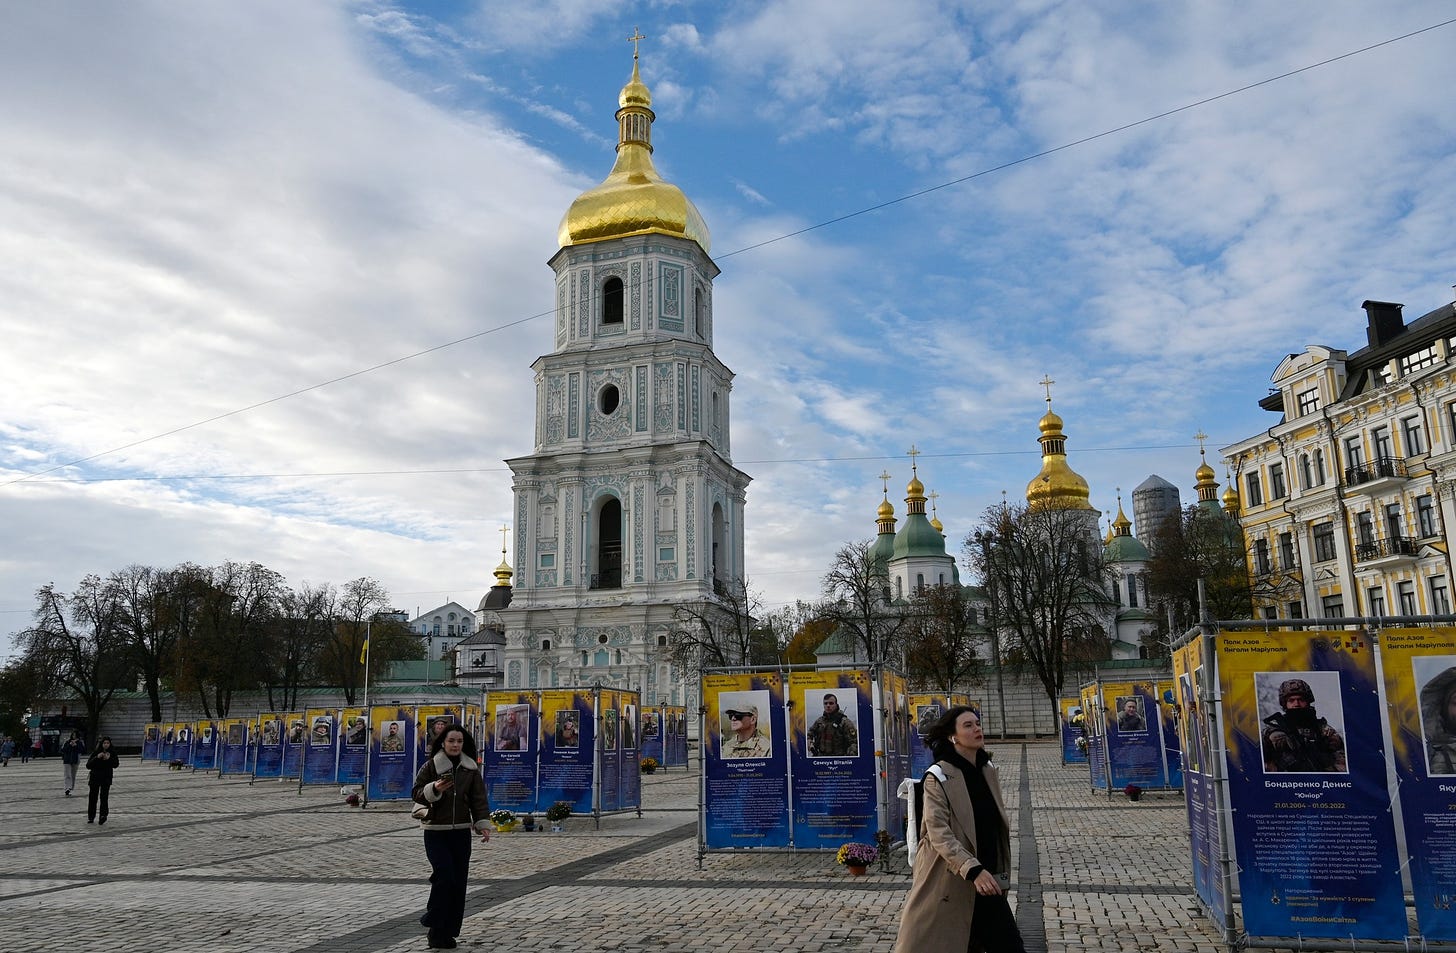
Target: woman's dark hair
[(105, 740), (937, 739), (438, 741)]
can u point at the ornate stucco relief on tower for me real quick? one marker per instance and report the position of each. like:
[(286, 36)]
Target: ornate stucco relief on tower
[(561, 313), (555, 411), (638, 518), (618, 424), (635, 286), (584, 305), (671, 280), (662, 408), (640, 405), (573, 404)]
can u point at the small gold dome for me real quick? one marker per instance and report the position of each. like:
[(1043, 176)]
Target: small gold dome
[(1204, 473), (1230, 498), (886, 511), (915, 488), (633, 199), (1057, 486), (503, 574), (939, 526), (1050, 423)]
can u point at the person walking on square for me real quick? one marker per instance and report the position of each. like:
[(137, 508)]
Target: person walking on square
[(102, 766), (450, 788), (7, 750), (956, 900), (71, 753), (22, 747)]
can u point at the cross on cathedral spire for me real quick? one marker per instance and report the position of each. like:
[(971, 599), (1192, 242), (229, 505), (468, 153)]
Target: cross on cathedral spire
[(1047, 382), (635, 39)]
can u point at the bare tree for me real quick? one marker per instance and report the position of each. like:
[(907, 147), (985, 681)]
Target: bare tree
[(941, 640), (1049, 587), (80, 643), (723, 630), (236, 604), (856, 598), (151, 625), (359, 601), (296, 640), (1209, 546)]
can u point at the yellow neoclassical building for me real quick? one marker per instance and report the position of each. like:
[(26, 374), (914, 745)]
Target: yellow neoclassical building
[(1346, 502)]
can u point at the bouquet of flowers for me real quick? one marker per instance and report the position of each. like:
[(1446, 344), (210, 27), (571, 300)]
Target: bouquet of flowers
[(649, 765), (559, 811), (502, 816), (857, 855), (1133, 791)]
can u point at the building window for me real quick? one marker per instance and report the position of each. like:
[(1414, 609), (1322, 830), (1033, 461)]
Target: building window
[(1270, 612), (1296, 610), (1277, 490), (1255, 495), (1415, 437), (1376, 597), (1324, 541), (1132, 593), (1354, 453), (1319, 468), (548, 560), (1365, 528), (1117, 592), (612, 301), (1381, 438), (1426, 515), (1393, 527), (1306, 472), (545, 645), (1286, 550), (919, 581), (1420, 360), (1408, 598), (1440, 600), (665, 554), (1308, 401), (1261, 557), (1333, 606)]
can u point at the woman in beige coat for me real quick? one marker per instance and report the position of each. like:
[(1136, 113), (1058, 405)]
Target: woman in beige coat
[(957, 900)]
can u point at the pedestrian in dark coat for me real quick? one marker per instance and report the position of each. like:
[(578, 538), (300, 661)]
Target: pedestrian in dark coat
[(957, 900), (71, 753), (102, 766), (450, 792)]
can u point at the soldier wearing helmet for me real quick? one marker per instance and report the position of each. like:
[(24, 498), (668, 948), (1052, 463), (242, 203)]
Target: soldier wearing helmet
[(1295, 738), (1438, 709)]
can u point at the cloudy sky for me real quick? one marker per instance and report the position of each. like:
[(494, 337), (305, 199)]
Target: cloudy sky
[(272, 275)]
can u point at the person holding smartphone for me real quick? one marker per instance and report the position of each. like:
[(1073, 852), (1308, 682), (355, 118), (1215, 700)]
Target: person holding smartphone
[(451, 790)]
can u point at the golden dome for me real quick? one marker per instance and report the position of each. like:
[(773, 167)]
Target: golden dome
[(1230, 498), (915, 488), (1122, 524), (503, 573), (885, 512), (1050, 423), (939, 526), (633, 199), (1204, 473), (1057, 486)]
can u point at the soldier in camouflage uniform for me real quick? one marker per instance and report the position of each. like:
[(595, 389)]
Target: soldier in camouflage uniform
[(1438, 707), (1296, 738), (833, 734)]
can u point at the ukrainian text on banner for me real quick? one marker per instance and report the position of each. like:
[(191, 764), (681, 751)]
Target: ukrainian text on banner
[(1198, 787), (1313, 832), (1072, 721), (472, 722), (674, 735), (269, 760), (320, 754), (831, 729), (391, 753), (182, 743), (631, 784), (354, 745), (204, 745), (151, 742), (1134, 744), (509, 750), (567, 750), (1167, 720), (609, 752), (1420, 689), (745, 772), (652, 747), (895, 733), (294, 741), (233, 756)]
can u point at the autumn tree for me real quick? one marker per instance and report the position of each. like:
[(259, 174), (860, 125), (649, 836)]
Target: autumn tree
[(856, 599), (1049, 587), (1206, 545), (725, 629), (941, 638)]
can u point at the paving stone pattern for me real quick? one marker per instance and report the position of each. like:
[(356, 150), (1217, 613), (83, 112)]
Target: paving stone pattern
[(191, 862)]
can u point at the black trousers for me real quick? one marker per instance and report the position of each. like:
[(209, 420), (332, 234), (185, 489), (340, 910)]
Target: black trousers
[(993, 929), (449, 856), (100, 795)]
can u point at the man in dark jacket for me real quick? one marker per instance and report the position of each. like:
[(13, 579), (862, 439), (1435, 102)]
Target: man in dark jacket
[(102, 766), (833, 734), (1295, 738)]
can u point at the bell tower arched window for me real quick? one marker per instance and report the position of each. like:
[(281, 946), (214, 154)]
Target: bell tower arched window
[(612, 301)]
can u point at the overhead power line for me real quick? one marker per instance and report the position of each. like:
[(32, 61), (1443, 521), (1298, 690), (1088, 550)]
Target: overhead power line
[(753, 247)]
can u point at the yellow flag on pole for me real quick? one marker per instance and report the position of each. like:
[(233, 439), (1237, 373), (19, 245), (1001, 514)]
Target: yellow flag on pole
[(364, 652)]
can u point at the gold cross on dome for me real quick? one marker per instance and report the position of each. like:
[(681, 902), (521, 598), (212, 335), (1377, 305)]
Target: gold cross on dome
[(635, 39), (1047, 382), (504, 531), (885, 480), (913, 453), (1200, 437)]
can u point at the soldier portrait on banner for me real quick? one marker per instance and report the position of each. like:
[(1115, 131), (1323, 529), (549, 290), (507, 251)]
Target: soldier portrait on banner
[(1302, 722)]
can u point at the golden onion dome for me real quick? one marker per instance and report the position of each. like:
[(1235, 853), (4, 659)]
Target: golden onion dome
[(503, 573), (915, 488), (1204, 473), (633, 199), (939, 526), (1057, 486), (1230, 498), (1050, 423), (886, 511)]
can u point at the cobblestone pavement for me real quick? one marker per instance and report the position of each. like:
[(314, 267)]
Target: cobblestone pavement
[(193, 862)]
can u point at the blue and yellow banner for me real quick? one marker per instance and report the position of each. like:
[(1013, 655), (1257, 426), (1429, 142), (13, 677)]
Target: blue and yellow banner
[(295, 739), (204, 745), (1312, 826), (746, 792), (568, 749), (1095, 720), (1134, 735), (151, 742), (430, 721), (924, 711), (831, 725), (268, 762), (629, 788), (233, 746), (320, 751), (1419, 666), (353, 745), (509, 749), (609, 751), (1073, 723), (392, 761), (895, 744)]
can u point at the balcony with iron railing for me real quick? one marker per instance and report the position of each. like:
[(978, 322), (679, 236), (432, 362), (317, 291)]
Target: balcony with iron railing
[(610, 579), (1391, 549), (1379, 474)]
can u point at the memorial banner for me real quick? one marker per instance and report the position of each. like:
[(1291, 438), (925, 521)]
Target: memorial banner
[(392, 762), (568, 749), (430, 721), (182, 743), (1167, 724), (473, 723), (745, 774), (1134, 739), (295, 739), (1198, 783), (890, 724), (354, 746), (630, 786), (509, 750), (1072, 722), (320, 753), (925, 710), (204, 745), (609, 752), (1419, 667), (1312, 826), (831, 730), (233, 758), (151, 742), (268, 763), (1095, 721)]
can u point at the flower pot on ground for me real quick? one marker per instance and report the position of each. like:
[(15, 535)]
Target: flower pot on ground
[(1133, 792), (503, 820), (857, 857), (857, 870), (649, 765), (557, 813), (528, 822)]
